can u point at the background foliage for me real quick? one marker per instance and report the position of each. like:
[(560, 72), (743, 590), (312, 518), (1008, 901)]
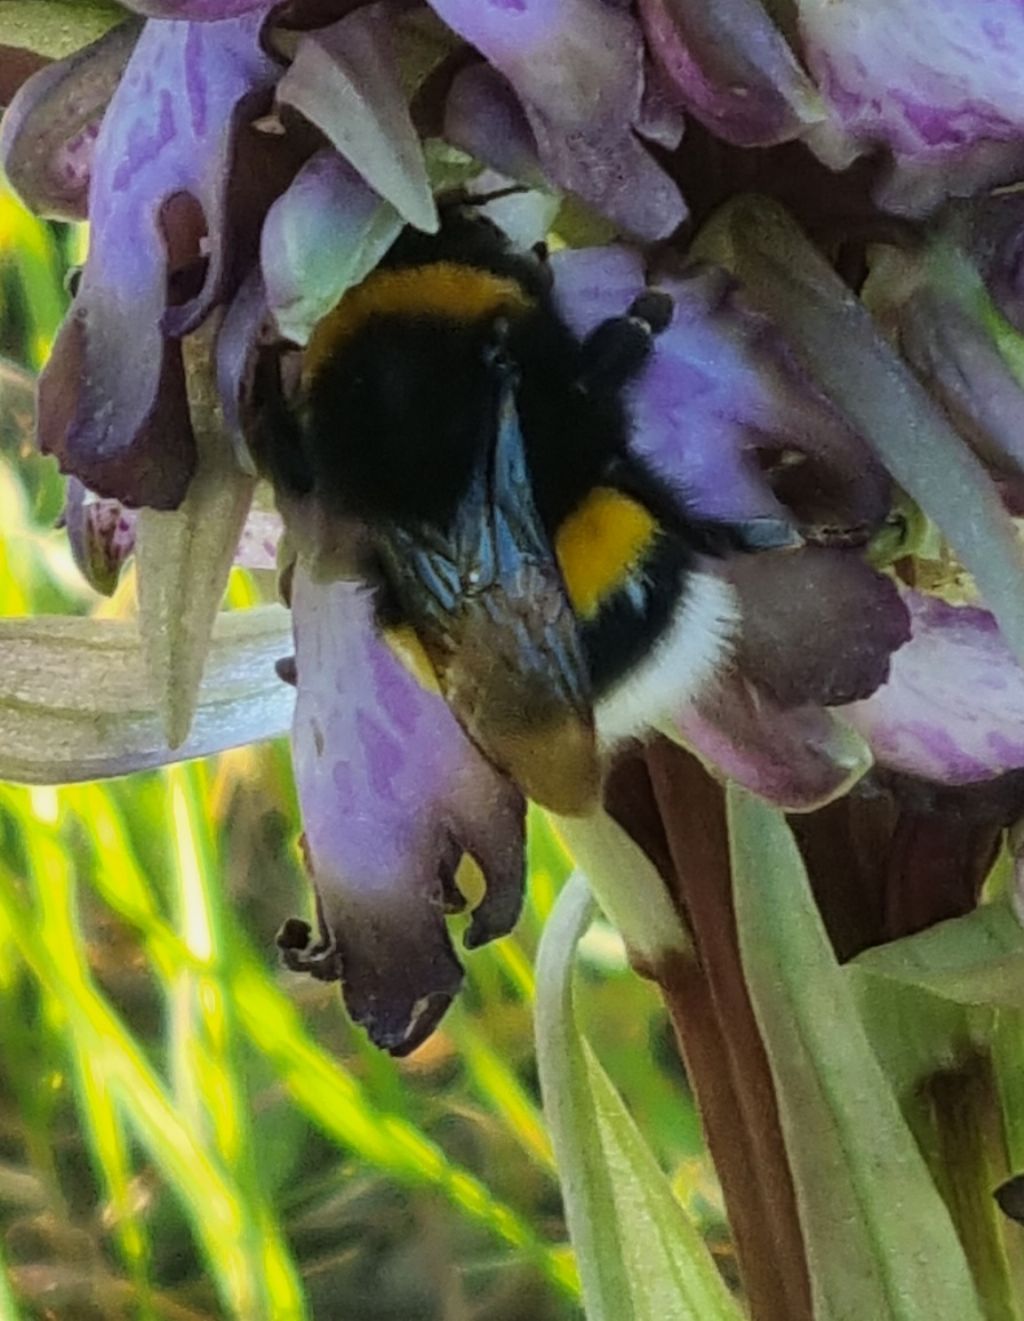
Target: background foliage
[(187, 1132)]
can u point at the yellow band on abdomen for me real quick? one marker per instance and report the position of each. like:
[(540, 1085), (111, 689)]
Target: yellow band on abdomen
[(600, 544)]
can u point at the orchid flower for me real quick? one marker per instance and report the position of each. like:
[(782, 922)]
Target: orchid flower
[(242, 163)]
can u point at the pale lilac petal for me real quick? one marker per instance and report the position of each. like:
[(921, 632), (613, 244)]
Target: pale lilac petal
[(48, 133), (732, 69), (391, 794), (345, 80), (112, 405), (953, 709), (324, 234), (484, 117), (610, 169)]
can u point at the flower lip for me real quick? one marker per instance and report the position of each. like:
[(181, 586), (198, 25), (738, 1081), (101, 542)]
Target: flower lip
[(392, 795)]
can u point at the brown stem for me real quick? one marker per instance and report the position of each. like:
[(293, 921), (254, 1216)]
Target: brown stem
[(718, 1035)]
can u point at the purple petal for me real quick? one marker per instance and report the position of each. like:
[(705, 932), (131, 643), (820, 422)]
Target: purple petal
[(731, 68), (936, 81), (101, 534), (819, 625), (953, 709), (324, 234), (483, 117), (578, 62), (391, 794), (49, 130), (722, 393), (800, 758), (345, 80), (112, 405)]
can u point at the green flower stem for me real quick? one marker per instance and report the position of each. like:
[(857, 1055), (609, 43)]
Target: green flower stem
[(721, 1044)]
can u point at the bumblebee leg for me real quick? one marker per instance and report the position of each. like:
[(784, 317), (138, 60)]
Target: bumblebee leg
[(747, 536), (615, 351)]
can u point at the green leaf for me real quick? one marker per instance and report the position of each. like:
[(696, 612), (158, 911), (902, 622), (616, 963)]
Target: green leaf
[(880, 1240), (785, 276), (973, 960), (184, 557), (75, 699), (56, 28), (639, 1256)]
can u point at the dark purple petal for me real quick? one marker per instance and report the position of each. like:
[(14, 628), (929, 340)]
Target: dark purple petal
[(484, 117), (112, 406), (732, 69), (818, 625), (723, 398), (392, 794), (345, 80), (101, 534), (800, 758), (324, 234), (936, 81), (49, 130), (953, 709), (578, 62)]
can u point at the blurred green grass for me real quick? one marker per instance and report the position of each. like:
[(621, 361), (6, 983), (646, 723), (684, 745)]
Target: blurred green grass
[(188, 1132)]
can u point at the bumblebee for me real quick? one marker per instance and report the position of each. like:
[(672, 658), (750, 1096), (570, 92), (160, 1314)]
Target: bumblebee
[(550, 584)]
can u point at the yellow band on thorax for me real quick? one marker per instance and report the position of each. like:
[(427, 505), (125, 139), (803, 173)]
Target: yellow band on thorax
[(600, 544), (441, 289)]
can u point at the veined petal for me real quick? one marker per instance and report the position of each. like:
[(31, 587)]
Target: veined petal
[(112, 403), (936, 81), (392, 794), (953, 708)]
